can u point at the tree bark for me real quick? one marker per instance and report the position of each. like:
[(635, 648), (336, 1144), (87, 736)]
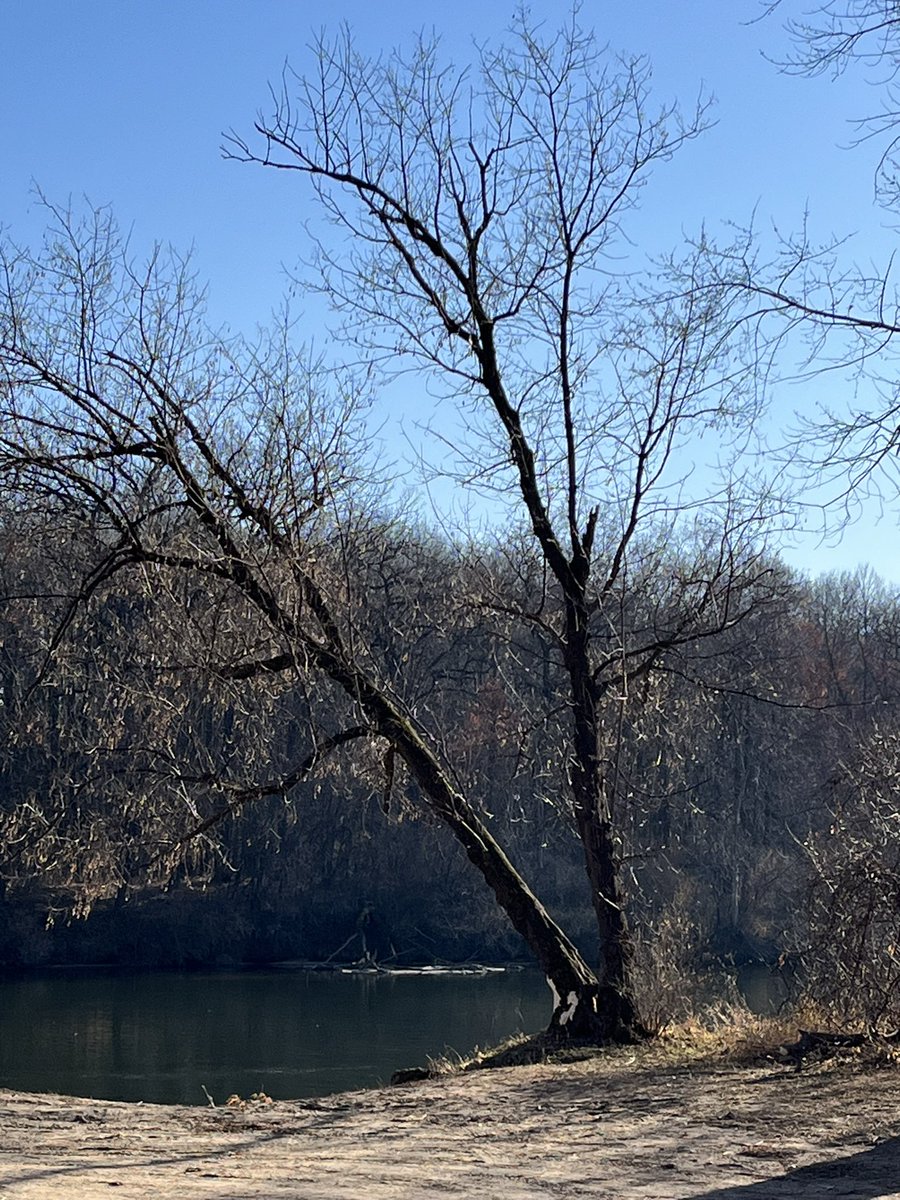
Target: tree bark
[(617, 1014)]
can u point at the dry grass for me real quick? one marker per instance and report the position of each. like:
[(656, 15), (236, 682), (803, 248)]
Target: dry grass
[(736, 1035), (725, 1033), (720, 1035), (731, 1035)]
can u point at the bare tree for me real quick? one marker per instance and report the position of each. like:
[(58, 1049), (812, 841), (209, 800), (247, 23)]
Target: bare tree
[(219, 466), (485, 219), (829, 37), (834, 36), (480, 218), (828, 313), (852, 961)]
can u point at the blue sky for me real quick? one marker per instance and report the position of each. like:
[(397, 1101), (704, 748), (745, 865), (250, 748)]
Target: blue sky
[(126, 103)]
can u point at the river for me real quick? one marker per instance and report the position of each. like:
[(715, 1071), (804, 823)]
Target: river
[(165, 1036), (173, 1037)]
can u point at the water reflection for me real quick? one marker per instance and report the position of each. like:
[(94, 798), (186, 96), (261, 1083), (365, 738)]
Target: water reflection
[(765, 990), (162, 1037)]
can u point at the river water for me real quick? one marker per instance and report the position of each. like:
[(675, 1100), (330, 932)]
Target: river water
[(164, 1037)]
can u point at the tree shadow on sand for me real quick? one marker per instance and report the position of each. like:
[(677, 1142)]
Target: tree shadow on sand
[(867, 1175)]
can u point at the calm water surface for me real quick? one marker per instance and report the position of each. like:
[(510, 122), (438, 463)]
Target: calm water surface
[(162, 1037)]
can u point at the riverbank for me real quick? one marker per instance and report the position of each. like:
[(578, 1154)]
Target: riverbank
[(629, 1126)]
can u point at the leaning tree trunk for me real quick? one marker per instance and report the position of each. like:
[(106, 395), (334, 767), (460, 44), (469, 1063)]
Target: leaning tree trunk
[(577, 1011), (574, 985), (581, 1001)]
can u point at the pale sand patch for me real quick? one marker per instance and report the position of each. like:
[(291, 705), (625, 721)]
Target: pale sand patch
[(596, 1129)]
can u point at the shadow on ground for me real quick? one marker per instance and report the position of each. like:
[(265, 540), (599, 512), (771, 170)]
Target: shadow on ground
[(867, 1175)]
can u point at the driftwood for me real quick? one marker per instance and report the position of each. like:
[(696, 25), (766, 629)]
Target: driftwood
[(410, 1075), (811, 1041)]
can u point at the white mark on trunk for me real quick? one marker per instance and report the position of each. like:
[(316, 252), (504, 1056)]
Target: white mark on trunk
[(572, 1001), (554, 993)]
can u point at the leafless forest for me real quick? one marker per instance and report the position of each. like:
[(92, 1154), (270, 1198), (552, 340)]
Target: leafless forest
[(253, 707)]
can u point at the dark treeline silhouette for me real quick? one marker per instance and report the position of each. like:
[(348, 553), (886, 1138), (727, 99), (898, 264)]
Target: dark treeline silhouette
[(137, 781)]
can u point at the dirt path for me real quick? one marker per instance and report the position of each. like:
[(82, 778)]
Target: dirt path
[(610, 1129)]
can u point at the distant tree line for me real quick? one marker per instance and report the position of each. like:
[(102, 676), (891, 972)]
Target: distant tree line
[(731, 768)]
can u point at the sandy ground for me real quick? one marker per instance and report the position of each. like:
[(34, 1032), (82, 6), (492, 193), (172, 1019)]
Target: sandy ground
[(601, 1129)]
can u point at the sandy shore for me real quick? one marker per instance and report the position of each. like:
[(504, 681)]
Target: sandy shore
[(611, 1129)]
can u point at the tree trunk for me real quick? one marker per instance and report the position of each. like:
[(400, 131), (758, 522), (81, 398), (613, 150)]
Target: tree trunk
[(581, 1005), (617, 1014), (574, 985)]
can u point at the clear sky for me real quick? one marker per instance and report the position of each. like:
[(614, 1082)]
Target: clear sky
[(125, 103)]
